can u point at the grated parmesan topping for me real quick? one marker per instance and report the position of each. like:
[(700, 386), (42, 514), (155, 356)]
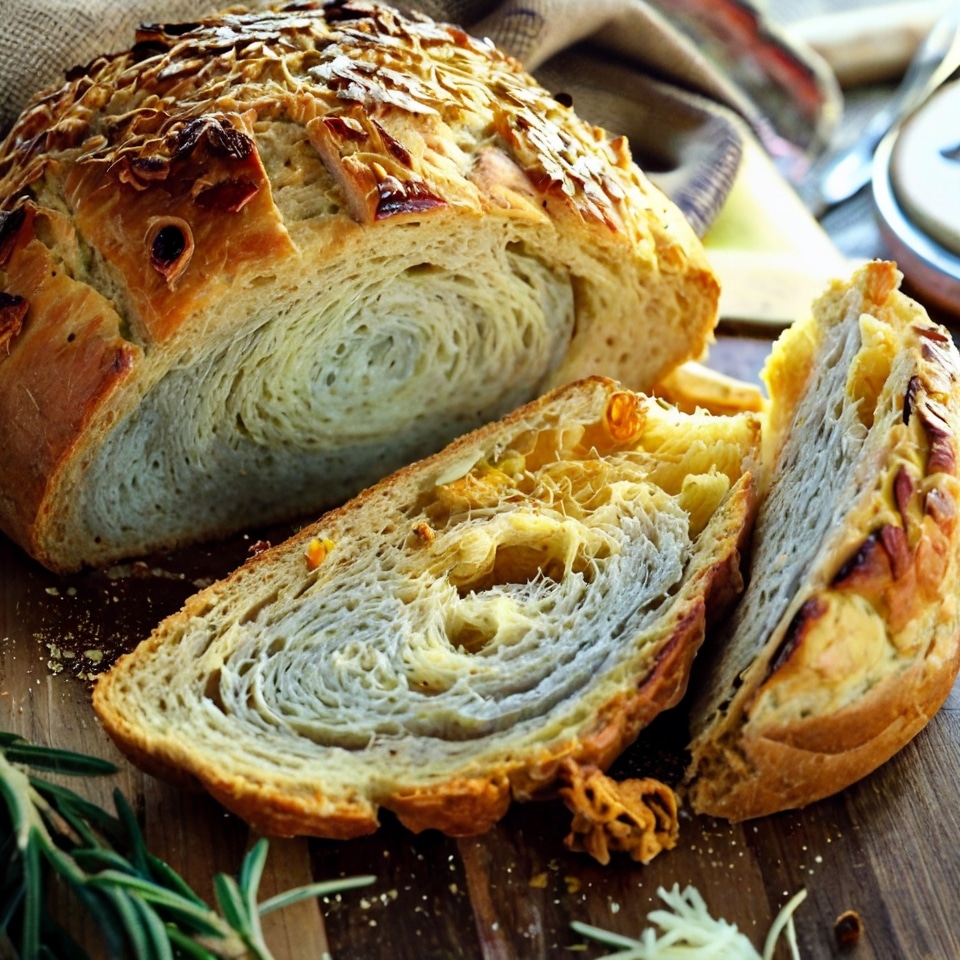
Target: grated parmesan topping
[(687, 930)]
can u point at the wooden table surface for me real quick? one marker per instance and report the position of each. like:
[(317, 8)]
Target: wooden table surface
[(888, 847)]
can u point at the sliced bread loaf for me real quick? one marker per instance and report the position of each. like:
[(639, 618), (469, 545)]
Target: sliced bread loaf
[(447, 641), (847, 637), (260, 261)]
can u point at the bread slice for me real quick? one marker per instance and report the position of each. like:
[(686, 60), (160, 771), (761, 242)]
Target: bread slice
[(445, 642), (264, 259), (847, 638)]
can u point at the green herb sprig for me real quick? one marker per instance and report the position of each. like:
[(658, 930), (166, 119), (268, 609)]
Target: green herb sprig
[(142, 907)]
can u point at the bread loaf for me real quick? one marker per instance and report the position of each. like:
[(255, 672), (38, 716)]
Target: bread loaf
[(847, 637), (262, 260), (531, 596)]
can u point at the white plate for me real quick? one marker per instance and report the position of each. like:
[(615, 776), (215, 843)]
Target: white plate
[(930, 268)]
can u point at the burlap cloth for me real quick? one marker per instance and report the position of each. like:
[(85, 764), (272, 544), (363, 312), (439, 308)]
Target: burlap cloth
[(627, 67)]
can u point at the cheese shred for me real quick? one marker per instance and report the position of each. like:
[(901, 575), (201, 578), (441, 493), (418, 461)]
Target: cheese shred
[(687, 930)]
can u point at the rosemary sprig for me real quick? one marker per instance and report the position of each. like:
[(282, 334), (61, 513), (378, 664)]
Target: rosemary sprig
[(142, 906)]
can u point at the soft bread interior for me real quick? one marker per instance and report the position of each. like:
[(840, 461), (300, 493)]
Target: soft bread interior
[(333, 378), (535, 592)]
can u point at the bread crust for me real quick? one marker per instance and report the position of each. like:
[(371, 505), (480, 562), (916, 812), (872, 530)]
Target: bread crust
[(302, 788), (867, 648), (186, 186), (67, 360)]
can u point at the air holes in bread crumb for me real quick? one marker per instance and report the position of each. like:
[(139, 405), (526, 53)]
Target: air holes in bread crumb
[(519, 563), (212, 690), (470, 637), (253, 611)]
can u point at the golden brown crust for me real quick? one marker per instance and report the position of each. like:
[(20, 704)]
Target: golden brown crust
[(695, 386), (869, 646), (215, 211), (463, 807), (276, 813), (774, 767), (184, 146), (57, 369), (149, 170)]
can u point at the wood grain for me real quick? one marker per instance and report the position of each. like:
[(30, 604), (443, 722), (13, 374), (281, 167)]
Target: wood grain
[(888, 847)]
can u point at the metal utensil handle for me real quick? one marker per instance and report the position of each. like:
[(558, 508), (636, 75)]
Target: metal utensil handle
[(936, 60)]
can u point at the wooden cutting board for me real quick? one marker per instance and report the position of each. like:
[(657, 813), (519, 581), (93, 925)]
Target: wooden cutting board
[(888, 847)]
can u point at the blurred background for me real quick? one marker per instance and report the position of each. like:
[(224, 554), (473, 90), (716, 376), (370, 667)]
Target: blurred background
[(881, 179), (868, 44)]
